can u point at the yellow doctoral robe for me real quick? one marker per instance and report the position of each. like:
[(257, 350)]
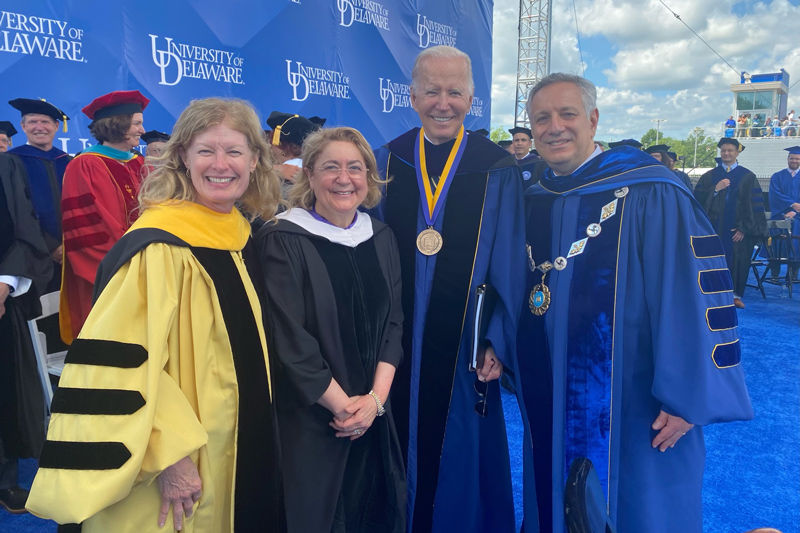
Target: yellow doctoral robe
[(175, 369)]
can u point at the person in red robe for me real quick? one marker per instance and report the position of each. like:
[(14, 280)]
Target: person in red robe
[(99, 201)]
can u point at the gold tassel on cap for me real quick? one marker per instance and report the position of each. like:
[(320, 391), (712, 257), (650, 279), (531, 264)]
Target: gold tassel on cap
[(276, 135)]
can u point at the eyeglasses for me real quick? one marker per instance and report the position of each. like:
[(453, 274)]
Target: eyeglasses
[(331, 171), (482, 388)]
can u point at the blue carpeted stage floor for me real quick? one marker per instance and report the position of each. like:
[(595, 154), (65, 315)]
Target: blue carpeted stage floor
[(753, 468)]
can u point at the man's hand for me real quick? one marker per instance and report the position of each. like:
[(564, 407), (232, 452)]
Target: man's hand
[(737, 235), (796, 207), (5, 290), (181, 487), (671, 429), (492, 367), (790, 215), (722, 184), (58, 254), (288, 172)]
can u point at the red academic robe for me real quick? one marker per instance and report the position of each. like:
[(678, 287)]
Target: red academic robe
[(99, 203)]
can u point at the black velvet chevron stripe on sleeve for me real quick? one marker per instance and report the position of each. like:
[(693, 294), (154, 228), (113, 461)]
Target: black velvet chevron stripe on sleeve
[(96, 401), (106, 353), (69, 455)]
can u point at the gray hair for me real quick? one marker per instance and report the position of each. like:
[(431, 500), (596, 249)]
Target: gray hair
[(441, 52), (587, 88)]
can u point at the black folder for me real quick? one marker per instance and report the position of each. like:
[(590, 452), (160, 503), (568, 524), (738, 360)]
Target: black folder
[(485, 302)]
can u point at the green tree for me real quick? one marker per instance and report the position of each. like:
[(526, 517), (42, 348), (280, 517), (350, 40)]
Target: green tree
[(500, 133)]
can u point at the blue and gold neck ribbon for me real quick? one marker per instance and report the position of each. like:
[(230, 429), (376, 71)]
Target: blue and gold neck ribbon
[(435, 201)]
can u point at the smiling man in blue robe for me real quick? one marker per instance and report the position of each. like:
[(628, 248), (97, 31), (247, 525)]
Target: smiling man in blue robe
[(454, 203), (628, 343)]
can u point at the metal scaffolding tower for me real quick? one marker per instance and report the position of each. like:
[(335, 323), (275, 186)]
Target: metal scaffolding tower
[(534, 51)]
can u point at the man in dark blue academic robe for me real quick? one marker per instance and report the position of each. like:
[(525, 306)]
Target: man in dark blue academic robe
[(454, 203), (784, 195), (734, 202), (43, 165), (529, 161), (627, 344)]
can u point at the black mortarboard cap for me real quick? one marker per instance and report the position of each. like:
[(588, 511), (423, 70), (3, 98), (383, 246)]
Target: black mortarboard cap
[(7, 128), (482, 131), (519, 129), (673, 156), (633, 143), (729, 140), (153, 136), (287, 127), (27, 106), (319, 121), (505, 143), (657, 148)]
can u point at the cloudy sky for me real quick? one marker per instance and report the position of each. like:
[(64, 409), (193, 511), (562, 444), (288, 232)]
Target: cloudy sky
[(646, 64)]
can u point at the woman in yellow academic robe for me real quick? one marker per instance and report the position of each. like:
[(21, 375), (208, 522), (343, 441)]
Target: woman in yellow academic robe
[(164, 410)]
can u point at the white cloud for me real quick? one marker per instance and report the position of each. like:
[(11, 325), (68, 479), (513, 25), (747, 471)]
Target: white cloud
[(655, 66)]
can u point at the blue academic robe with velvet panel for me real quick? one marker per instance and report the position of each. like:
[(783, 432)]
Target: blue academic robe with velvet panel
[(455, 458), (784, 190), (45, 173), (641, 321)]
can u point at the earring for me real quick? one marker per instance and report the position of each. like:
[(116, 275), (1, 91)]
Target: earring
[(188, 174), (283, 153)]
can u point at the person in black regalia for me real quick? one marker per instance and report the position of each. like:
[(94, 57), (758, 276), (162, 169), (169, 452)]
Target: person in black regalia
[(43, 166), (734, 201), (332, 277), (25, 268), (455, 204), (529, 161)]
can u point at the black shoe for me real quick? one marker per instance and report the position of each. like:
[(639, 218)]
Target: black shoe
[(14, 500)]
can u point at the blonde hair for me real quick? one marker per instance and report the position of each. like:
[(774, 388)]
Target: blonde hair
[(301, 194), (169, 180)]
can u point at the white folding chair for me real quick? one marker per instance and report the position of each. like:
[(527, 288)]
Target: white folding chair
[(48, 363)]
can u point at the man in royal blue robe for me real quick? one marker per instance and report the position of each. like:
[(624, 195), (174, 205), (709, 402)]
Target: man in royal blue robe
[(784, 196), (627, 345), (734, 202), (454, 203), (44, 166)]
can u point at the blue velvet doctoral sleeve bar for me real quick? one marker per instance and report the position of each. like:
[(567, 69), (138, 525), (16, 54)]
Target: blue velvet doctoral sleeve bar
[(697, 374)]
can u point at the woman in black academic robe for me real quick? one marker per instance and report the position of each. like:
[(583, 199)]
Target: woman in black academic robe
[(332, 277)]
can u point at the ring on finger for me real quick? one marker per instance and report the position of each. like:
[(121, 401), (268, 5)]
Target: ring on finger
[(357, 431)]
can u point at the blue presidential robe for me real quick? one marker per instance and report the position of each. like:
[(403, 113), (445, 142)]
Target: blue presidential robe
[(784, 190), (642, 321), (455, 459)]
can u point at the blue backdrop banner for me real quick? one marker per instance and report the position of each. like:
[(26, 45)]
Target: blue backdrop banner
[(345, 60)]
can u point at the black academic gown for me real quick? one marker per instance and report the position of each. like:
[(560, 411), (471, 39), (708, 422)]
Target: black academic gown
[(22, 253), (334, 312), (44, 174), (737, 207)]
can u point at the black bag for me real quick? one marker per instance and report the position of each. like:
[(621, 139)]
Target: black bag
[(584, 501)]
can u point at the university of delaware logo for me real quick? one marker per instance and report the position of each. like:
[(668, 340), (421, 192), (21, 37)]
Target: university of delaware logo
[(363, 12), (306, 81), (433, 33), (394, 94), (178, 60), (476, 109)]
